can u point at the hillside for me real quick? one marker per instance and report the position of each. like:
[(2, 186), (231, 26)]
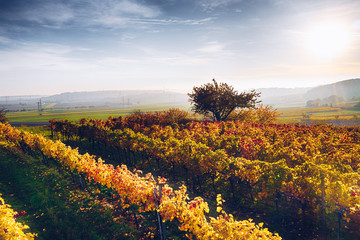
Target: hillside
[(278, 97), (120, 99), (347, 89), (117, 98)]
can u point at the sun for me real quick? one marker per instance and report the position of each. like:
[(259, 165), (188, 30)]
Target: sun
[(328, 39)]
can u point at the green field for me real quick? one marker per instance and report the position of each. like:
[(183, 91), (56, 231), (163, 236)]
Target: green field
[(294, 115), (287, 115), (76, 114)]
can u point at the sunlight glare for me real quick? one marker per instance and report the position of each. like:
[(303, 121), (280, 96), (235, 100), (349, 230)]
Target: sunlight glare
[(328, 39)]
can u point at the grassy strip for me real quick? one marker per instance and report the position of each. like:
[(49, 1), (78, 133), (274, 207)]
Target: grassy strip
[(41, 130), (77, 114), (72, 116), (56, 208)]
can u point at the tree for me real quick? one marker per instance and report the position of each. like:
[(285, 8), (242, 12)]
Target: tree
[(3, 118), (218, 100)]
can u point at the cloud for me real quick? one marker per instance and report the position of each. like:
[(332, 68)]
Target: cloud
[(114, 14), (87, 15), (49, 13), (210, 5), (57, 13), (179, 60), (36, 56), (212, 47), (5, 40), (127, 37), (356, 25), (174, 21), (216, 50), (40, 12), (124, 8), (137, 9)]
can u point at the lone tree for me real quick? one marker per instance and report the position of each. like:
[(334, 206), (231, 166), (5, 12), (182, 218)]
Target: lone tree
[(3, 118), (218, 100)]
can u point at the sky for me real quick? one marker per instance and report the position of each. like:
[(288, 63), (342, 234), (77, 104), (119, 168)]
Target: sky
[(54, 46)]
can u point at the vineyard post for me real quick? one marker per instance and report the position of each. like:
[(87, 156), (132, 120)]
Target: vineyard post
[(186, 174), (339, 223), (232, 180), (173, 170), (213, 183), (135, 218), (82, 182), (340, 214), (44, 158), (277, 199), (134, 158), (128, 155), (158, 164), (159, 218), (52, 130), (323, 207)]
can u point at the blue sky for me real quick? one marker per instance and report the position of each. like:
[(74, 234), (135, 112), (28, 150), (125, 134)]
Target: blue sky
[(54, 46)]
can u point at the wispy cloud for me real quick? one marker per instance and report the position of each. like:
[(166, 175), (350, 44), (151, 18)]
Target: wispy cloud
[(91, 14), (5, 40), (216, 50), (49, 13), (44, 13), (39, 55), (174, 21), (115, 14), (112, 13), (212, 47), (210, 5), (130, 7), (121, 22)]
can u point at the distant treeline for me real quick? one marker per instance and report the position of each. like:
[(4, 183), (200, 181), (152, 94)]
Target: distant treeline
[(333, 100)]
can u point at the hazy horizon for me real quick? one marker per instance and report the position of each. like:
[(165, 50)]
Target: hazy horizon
[(159, 90), (51, 47)]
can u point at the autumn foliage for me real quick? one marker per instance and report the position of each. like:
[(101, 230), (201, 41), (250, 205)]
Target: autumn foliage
[(135, 188), (9, 227), (314, 169)]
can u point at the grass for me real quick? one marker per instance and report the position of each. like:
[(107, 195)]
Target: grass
[(55, 206), (41, 130), (77, 114), (289, 113), (319, 114), (73, 115), (58, 207)]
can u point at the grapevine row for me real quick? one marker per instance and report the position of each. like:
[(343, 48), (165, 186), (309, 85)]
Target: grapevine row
[(136, 189), (294, 159), (9, 227)]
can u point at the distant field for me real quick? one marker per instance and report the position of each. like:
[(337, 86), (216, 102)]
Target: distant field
[(287, 115), (317, 114), (77, 114)]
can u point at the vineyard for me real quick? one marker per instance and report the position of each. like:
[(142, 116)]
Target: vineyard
[(301, 181), (134, 189), (14, 230)]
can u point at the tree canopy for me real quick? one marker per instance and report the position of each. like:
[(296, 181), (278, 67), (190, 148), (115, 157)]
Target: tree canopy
[(218, 100)]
